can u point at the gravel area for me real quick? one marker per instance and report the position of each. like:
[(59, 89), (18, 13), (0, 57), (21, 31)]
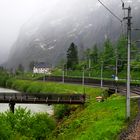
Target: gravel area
[(133, 131)]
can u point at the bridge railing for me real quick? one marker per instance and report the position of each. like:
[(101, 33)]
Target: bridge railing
[(42, 98)]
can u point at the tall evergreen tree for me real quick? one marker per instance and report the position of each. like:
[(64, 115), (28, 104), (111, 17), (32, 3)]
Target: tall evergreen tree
[(31, 65), (88, 57), (72, 56), (94, 54), (109, 55), (121, 52), (20, 68)]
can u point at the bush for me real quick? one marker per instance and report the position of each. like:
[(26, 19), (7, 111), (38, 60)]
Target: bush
[(61, 111), (26, 125), (21, 85), (42, 126), (9, 83), (35, 87), (3, 80), (5, 128)]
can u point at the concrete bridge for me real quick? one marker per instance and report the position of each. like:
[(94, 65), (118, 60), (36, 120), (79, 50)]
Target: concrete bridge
[(13, 98)]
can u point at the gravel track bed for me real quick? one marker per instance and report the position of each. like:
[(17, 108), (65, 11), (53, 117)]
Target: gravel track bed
[(133, 131)]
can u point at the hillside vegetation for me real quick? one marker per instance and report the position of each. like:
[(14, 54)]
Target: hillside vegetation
[(91, 121), (95, 121)]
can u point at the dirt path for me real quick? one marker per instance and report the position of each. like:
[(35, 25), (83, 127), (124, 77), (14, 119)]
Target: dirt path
[(133, 132), (135, 135)]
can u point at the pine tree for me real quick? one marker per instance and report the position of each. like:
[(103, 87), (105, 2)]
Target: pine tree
[(94, 54), (72, 57), (122, 52), (31, 65), (109, 54), (20, 68)]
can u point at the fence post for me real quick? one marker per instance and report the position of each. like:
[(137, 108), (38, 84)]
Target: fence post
[(12, 106)]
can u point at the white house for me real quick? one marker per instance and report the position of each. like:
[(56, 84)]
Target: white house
[(41, 68)]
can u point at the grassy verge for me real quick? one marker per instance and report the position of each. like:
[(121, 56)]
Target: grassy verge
[(93, 121), (96, 73), (46, 87)]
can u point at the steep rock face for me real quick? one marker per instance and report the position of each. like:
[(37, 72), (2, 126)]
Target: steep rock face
[(84, 22)]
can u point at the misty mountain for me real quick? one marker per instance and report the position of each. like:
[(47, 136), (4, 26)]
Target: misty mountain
[(47, 36)]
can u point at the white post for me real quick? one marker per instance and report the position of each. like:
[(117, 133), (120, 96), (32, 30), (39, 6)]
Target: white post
[(116, 75), (102, 74), (63, 75), (89, 66), (83, 77), (83, 80), (128, 18), (128, 64)]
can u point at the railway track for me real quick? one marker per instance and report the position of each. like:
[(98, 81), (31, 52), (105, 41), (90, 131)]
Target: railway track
[(133, 90), (87, 81), (112, 85)]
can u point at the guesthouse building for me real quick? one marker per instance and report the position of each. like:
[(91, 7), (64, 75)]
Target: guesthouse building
[(41, 68)]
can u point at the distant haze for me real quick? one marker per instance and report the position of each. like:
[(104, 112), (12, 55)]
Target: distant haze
[(13, 14), (16, 13)]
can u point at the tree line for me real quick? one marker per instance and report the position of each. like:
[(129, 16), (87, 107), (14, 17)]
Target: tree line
[(109, 54)]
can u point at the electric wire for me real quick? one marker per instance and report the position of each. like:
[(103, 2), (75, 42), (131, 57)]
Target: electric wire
[(122, 1), (110, 11), (123, 22)]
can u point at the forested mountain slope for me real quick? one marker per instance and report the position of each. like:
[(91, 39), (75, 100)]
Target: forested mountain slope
[(47, 36)]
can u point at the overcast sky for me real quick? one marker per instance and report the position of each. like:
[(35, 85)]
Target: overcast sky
[(13, 14)]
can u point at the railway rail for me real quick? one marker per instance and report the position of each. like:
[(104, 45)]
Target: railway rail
[(111, 84)]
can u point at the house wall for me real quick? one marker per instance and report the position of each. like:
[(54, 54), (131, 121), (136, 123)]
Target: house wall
[(41, 70)]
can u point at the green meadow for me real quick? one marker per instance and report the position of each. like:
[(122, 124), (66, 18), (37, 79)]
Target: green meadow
[(92, 121)]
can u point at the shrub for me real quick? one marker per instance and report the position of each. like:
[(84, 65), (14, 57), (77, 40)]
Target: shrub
[(35, 87), (5, 129), (9, 82), (21, 85), (3, 80), (42, 126), (26, 125), (61, 111)]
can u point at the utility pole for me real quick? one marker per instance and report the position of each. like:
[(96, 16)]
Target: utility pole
[(128, 18), (83, 80), (66, 70), (116, 71), (83, 77), (89, 65), (101, 74), (63, 75)]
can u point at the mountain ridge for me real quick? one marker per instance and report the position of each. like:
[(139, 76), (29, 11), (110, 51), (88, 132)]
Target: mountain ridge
[(84, 23)]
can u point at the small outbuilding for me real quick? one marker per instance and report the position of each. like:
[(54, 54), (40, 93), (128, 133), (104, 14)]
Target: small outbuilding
[(41, 68)]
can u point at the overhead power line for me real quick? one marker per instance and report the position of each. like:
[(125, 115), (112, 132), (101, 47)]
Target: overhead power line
[(122, 3), (122, 24), (110, 11)]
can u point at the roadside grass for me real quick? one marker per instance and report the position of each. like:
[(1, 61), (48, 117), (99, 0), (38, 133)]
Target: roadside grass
[(46, 87), (91, 121), (95, 121)]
